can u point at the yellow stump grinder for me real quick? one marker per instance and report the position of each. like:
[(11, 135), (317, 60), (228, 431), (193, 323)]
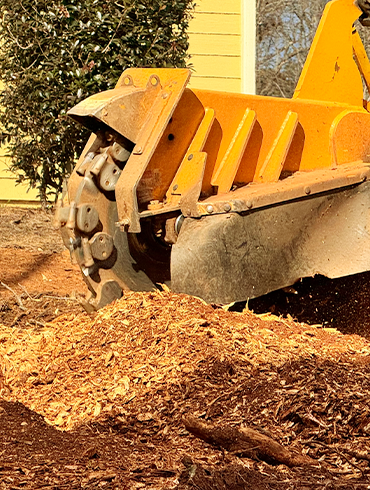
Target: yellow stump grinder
[(226, 196)]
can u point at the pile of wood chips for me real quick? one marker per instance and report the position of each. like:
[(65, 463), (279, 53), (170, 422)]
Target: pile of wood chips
[(78, 368)]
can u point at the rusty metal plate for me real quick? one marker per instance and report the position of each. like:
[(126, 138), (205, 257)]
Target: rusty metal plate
[(233, 257)]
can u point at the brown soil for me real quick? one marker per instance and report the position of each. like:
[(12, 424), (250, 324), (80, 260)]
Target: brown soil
[(97, 401), (28, 229), (39, 281)]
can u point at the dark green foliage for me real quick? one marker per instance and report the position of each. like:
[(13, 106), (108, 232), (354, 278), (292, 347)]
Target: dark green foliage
[(56, 53)]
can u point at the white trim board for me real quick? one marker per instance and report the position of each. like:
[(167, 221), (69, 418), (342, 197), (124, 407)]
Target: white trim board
[(248, 48)]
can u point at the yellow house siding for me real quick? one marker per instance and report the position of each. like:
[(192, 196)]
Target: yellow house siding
[(216, 23), (224, 67), (10, 193), (218, 6), (224, 85), (215, 45)]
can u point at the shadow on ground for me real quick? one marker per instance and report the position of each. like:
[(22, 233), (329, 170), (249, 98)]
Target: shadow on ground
[(342, 303)]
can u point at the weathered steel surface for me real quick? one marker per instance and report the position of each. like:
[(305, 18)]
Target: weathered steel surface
[(233, 257)]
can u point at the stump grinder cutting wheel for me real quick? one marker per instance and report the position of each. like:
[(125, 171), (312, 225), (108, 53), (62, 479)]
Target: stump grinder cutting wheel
[(225, 196)]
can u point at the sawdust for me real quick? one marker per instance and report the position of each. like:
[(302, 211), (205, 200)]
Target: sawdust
[(114, 387), (76, 368)]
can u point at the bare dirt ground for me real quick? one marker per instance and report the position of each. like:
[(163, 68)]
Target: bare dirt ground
[(98, 401), (35, 265)]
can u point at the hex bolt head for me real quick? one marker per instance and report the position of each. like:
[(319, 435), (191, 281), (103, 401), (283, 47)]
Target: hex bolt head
[(249, 204), (227, 207), (190, 157), (210, 209), (307, 190)]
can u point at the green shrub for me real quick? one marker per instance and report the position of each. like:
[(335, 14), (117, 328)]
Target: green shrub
[(56, 53)]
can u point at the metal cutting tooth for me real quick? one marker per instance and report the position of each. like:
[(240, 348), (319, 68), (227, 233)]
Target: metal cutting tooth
[(81, 170), (86, 250), (57, 221), (71, 222), (98, 163)]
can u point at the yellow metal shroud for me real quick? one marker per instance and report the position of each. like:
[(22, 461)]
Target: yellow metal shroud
[(210, 152)]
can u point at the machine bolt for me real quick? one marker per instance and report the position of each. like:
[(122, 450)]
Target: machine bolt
[(175, 187), (227, 207), (307, 190), (210, 209), (190, 157), (178, 223), (249, 204), (363, 177), (154, 80)]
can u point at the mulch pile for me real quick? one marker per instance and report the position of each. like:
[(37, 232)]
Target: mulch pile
[(74, 368), (133, 370)]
